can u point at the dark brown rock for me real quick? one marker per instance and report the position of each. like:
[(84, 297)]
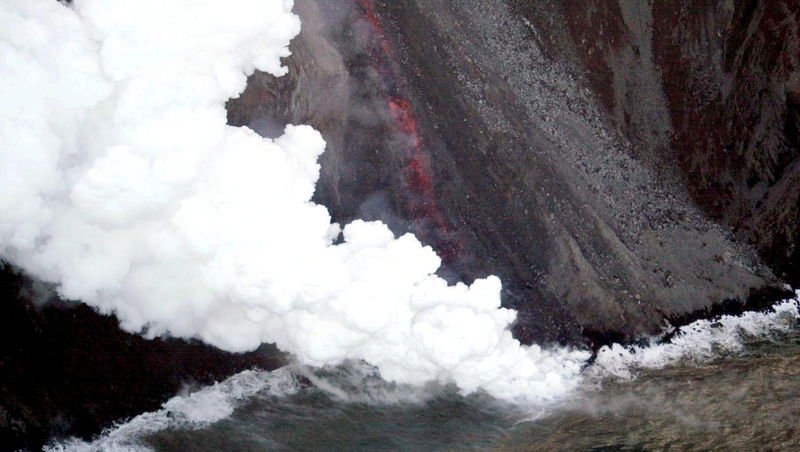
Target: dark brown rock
[(735, 121), (67, 371), (722, 79)]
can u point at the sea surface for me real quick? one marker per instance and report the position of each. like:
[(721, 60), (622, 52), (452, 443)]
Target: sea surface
[(731, 383)]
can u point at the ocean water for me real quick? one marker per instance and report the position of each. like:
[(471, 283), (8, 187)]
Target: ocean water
[(725, 384)]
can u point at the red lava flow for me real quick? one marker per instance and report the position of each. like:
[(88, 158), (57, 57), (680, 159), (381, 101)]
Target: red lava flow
[(425, 214)]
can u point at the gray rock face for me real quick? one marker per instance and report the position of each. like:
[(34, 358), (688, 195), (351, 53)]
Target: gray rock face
[(725, 74), (736, 118), (561, 180)]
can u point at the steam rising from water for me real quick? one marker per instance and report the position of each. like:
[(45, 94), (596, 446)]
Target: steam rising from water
[(122, 184)]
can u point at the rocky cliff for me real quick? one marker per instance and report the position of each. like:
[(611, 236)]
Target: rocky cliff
[(551, 145), (713, 85), (732, 81)]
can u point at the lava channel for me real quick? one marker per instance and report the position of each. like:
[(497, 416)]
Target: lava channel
[(425, 215)]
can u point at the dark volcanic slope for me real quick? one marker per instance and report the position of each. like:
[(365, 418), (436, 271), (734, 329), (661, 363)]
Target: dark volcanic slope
[(736, 128), (715, 84), (68, 371), (550, 160), (579, 214)]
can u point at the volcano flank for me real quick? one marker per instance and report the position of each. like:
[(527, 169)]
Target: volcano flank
[(621, 166)]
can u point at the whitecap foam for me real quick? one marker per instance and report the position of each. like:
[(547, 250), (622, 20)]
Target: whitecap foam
[(698, 341), (361, 383), (189, 412)]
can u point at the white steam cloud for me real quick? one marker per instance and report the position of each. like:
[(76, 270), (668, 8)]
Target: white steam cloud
[(121, 183)]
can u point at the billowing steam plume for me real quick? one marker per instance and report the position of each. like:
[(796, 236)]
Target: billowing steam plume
[(121, 183)]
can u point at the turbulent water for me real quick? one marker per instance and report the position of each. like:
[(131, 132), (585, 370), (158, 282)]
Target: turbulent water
[(726, 384)]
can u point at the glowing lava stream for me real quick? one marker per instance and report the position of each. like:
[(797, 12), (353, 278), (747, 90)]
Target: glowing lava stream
[(424, 212)]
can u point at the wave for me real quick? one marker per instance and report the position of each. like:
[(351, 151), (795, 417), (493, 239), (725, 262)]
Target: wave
[(699, 341), (358, 382), (187, 412)]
